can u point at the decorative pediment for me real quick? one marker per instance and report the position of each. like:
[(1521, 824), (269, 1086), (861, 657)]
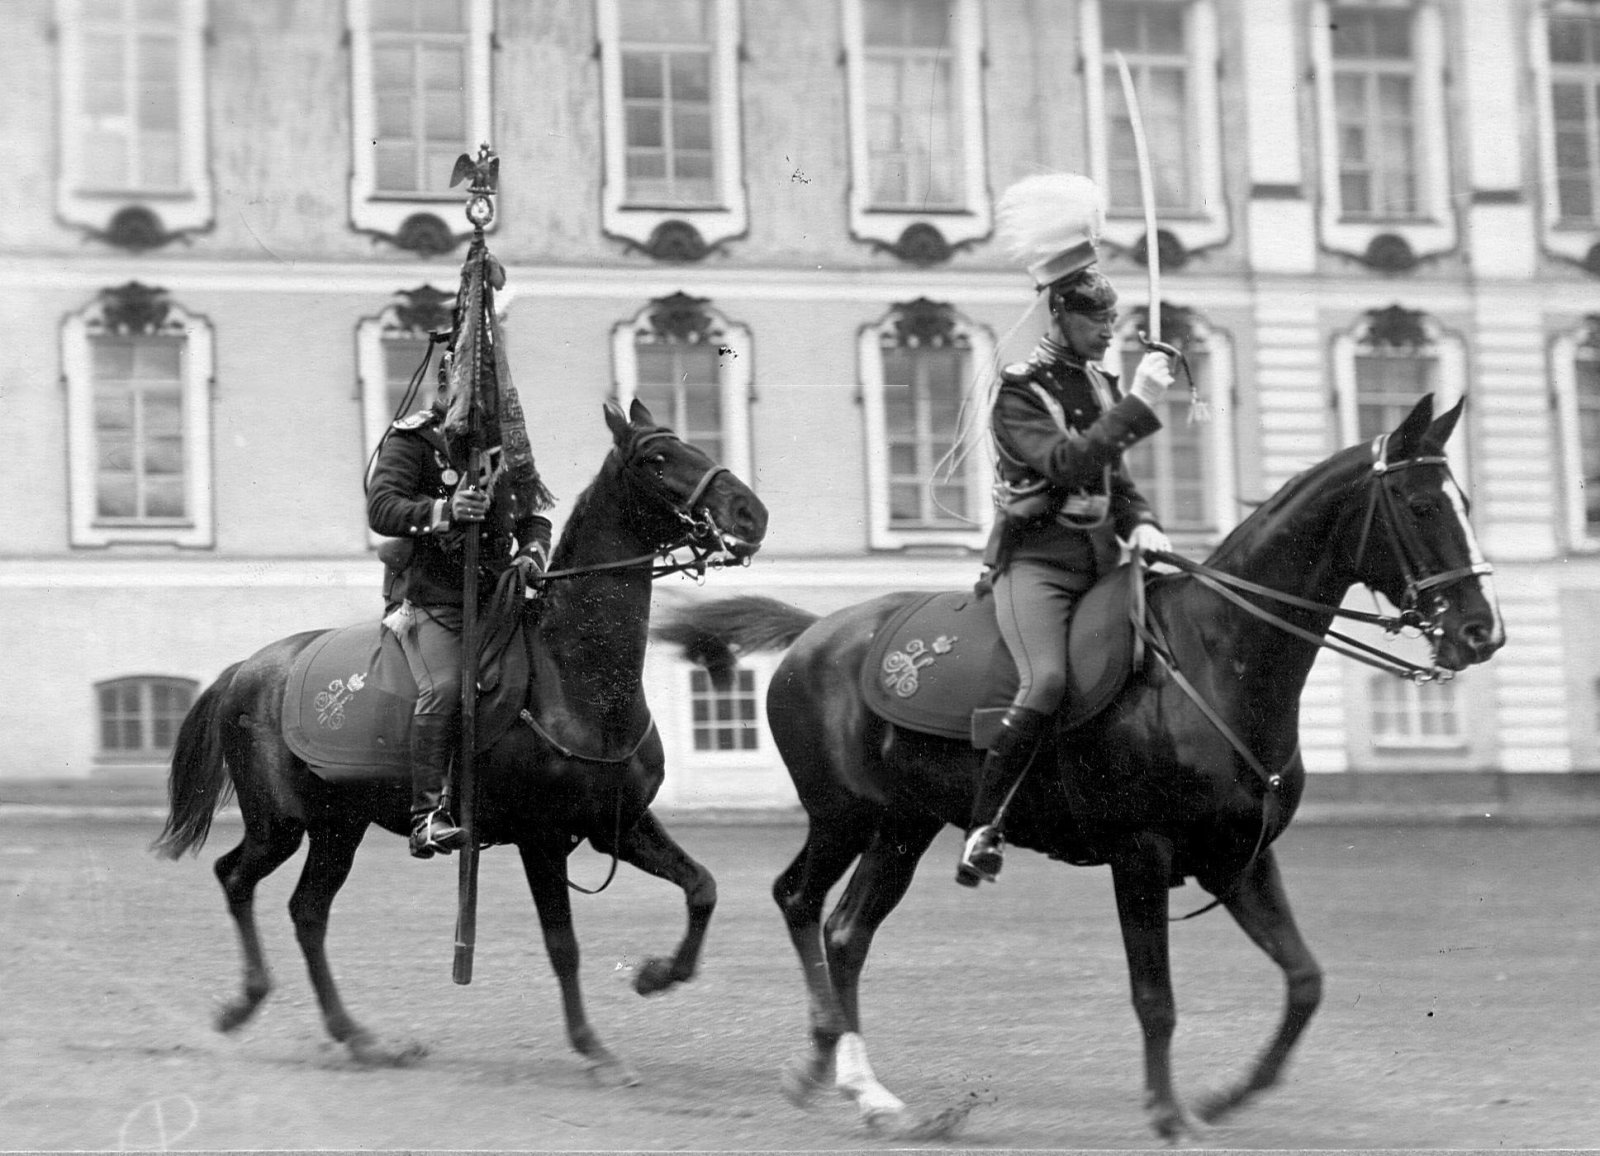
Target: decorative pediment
[(133, 309), (1397, 327), (925, 323), (680, 317), (423, 309), (1180, 325)]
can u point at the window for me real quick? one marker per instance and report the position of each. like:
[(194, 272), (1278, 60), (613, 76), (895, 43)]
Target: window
[(1379, 75), (138, 374), (674, 183), (1171, 47), (420, 97), (1566, 65), (1384, 366), (132, 98), (140, 717), (928, 468), (724, 720), (1575, 375), (917, 146), (1406, 714), (692, 367), (1186, 469)]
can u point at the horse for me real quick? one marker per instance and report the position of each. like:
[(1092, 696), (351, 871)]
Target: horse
[(1164, 784), (586, 766)]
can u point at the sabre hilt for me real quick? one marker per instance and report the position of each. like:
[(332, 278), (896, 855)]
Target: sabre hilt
[(1199, 411)]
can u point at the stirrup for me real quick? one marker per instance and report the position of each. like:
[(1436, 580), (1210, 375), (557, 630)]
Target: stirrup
[(981, 857), (435, 833)]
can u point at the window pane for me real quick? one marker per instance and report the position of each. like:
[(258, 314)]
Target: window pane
[(642, 76), (691, 76), (663, 21)]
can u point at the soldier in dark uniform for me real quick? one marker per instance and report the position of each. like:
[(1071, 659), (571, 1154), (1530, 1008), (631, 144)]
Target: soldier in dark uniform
[(417, 493), (1060, 425)]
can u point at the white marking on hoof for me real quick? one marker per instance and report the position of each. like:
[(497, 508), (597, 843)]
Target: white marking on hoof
[(856, 1080)]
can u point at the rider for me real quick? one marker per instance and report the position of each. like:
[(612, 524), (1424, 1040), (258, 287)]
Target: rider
[(1060, 425), (418, 494)]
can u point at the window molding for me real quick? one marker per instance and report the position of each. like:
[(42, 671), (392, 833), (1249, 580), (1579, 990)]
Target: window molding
[(1209, 226), (1412, 699), (135, 309), (682, 317), (145, 685), (422, 222), (135, 218), (1564, 386), (1218, 433), (882, 534), (1395, 244), (1578, 243), (1449, 349), (922, 238), (676, 233)]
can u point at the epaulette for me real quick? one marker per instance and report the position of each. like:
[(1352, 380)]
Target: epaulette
[(1018, 372), (416, 420)]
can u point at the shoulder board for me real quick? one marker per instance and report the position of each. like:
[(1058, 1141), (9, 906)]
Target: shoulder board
[(1018, 372), (416, 420)]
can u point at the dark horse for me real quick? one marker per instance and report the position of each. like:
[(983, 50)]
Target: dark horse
[(589, 771), (1151, 786)]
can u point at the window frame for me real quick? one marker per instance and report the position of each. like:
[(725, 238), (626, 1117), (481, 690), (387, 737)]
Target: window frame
[(1209, 224), (1217, 435), (187, 207), (1435, 228), (1564, 349), (974, 219), (1572, 241), (196, 381), (637, 223), (1450, 351), (383, 213), (716, 755), (146, 684), (882, 534), (1415, 710), (735, 373)]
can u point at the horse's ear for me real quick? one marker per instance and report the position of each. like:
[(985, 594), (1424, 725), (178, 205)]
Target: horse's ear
[(1444, 425), (617, 421), (1406, 442), (639, 414)]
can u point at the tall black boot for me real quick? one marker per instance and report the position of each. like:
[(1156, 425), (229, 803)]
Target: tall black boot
[(432, 828), (1003, 767)]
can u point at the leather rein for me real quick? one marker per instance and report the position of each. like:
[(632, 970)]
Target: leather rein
[(1427, 622)]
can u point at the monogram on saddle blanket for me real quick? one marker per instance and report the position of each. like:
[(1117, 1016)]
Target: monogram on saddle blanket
[(941, 667), (348, 701)]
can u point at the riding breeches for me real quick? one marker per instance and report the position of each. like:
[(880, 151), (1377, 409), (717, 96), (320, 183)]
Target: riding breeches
[(432, 645), (1033, 603)]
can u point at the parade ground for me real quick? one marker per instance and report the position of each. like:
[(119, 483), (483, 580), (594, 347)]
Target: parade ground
[(1461, 1008)]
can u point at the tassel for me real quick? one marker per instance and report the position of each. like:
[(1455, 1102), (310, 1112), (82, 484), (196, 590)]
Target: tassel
[(401, 619)]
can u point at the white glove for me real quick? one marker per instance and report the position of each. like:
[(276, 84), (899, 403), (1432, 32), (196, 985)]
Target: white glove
[(1147, 538), (1151, 379)]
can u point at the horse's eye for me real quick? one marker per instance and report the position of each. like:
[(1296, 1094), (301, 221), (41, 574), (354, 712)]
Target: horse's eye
[(1423, 505)]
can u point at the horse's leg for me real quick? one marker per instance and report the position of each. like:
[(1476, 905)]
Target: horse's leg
[(1261, 906), (327, 866), (544, 861), (264, 848), (832, 843), (1140, 873), (876, 887), (647, 846)]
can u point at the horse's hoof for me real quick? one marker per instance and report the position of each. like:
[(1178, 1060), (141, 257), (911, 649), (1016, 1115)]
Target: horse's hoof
[(367, 1052), (612, 1073), (940, 1126), (653, 976), (802, 1078), (233, 1016)]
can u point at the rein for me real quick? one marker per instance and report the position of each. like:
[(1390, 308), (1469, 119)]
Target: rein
[(1148, 630)]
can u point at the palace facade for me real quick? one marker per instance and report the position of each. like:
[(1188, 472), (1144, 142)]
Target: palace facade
[(227, 231)]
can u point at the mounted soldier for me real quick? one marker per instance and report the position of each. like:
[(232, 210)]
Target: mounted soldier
[(459, 494), (1060, 425)]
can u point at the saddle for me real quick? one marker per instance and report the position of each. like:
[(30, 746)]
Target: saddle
[(941, 667), (349, 697)]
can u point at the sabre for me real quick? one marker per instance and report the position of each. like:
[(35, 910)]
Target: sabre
[(1198, 410)]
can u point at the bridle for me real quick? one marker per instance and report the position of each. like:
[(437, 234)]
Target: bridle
[(1422, 608), (700, 534)]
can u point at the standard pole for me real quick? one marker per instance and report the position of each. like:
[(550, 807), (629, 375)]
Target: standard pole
[(466, 782)]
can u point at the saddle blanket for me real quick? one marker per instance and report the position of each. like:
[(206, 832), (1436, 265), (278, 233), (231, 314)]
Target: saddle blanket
[(348, 701), (941, 667)]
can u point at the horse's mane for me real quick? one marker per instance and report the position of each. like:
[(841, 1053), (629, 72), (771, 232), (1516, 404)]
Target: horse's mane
[(567, 543), (1309, 484)]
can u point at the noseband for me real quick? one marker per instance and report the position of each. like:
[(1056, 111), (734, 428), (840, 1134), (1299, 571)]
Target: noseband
[(1403, 546)]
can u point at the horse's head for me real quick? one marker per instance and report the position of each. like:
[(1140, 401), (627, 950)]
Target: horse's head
[(696, 502), (1417, 548)]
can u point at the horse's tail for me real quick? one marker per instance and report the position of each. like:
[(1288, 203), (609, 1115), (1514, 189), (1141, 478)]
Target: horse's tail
[(199, 783), (714, 634)]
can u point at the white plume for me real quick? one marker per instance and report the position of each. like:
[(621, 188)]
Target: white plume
[(1043, 216)]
